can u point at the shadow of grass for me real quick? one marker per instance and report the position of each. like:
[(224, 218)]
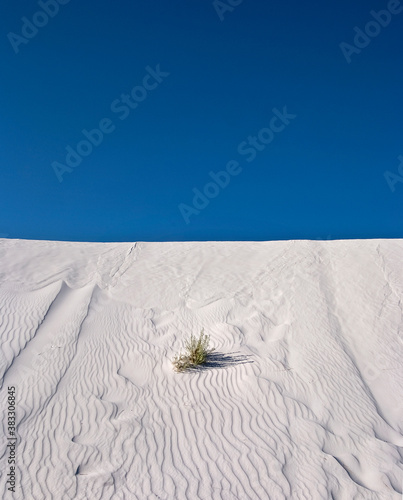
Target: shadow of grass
[(222, 360)]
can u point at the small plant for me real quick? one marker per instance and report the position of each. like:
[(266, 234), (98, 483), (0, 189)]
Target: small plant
[(196, 352)]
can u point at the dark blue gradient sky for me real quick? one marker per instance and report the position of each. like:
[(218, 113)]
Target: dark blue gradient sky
[(216, 75)]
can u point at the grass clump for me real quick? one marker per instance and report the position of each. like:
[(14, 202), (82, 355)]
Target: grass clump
[(196, 352)]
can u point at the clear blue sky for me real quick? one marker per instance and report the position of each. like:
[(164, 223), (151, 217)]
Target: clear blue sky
[(216, 74)]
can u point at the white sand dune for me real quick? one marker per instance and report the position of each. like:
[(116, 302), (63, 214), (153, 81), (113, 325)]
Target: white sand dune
[(302, 398)]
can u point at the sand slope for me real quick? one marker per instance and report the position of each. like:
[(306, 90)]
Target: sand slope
[(302, 399)]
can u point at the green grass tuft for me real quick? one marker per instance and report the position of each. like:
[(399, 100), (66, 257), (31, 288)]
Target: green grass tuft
[(196, 352)]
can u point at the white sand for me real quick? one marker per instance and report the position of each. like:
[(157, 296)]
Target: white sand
[(303, 398)]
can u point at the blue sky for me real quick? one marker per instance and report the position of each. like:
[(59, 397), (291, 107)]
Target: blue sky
[(304, 129)]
